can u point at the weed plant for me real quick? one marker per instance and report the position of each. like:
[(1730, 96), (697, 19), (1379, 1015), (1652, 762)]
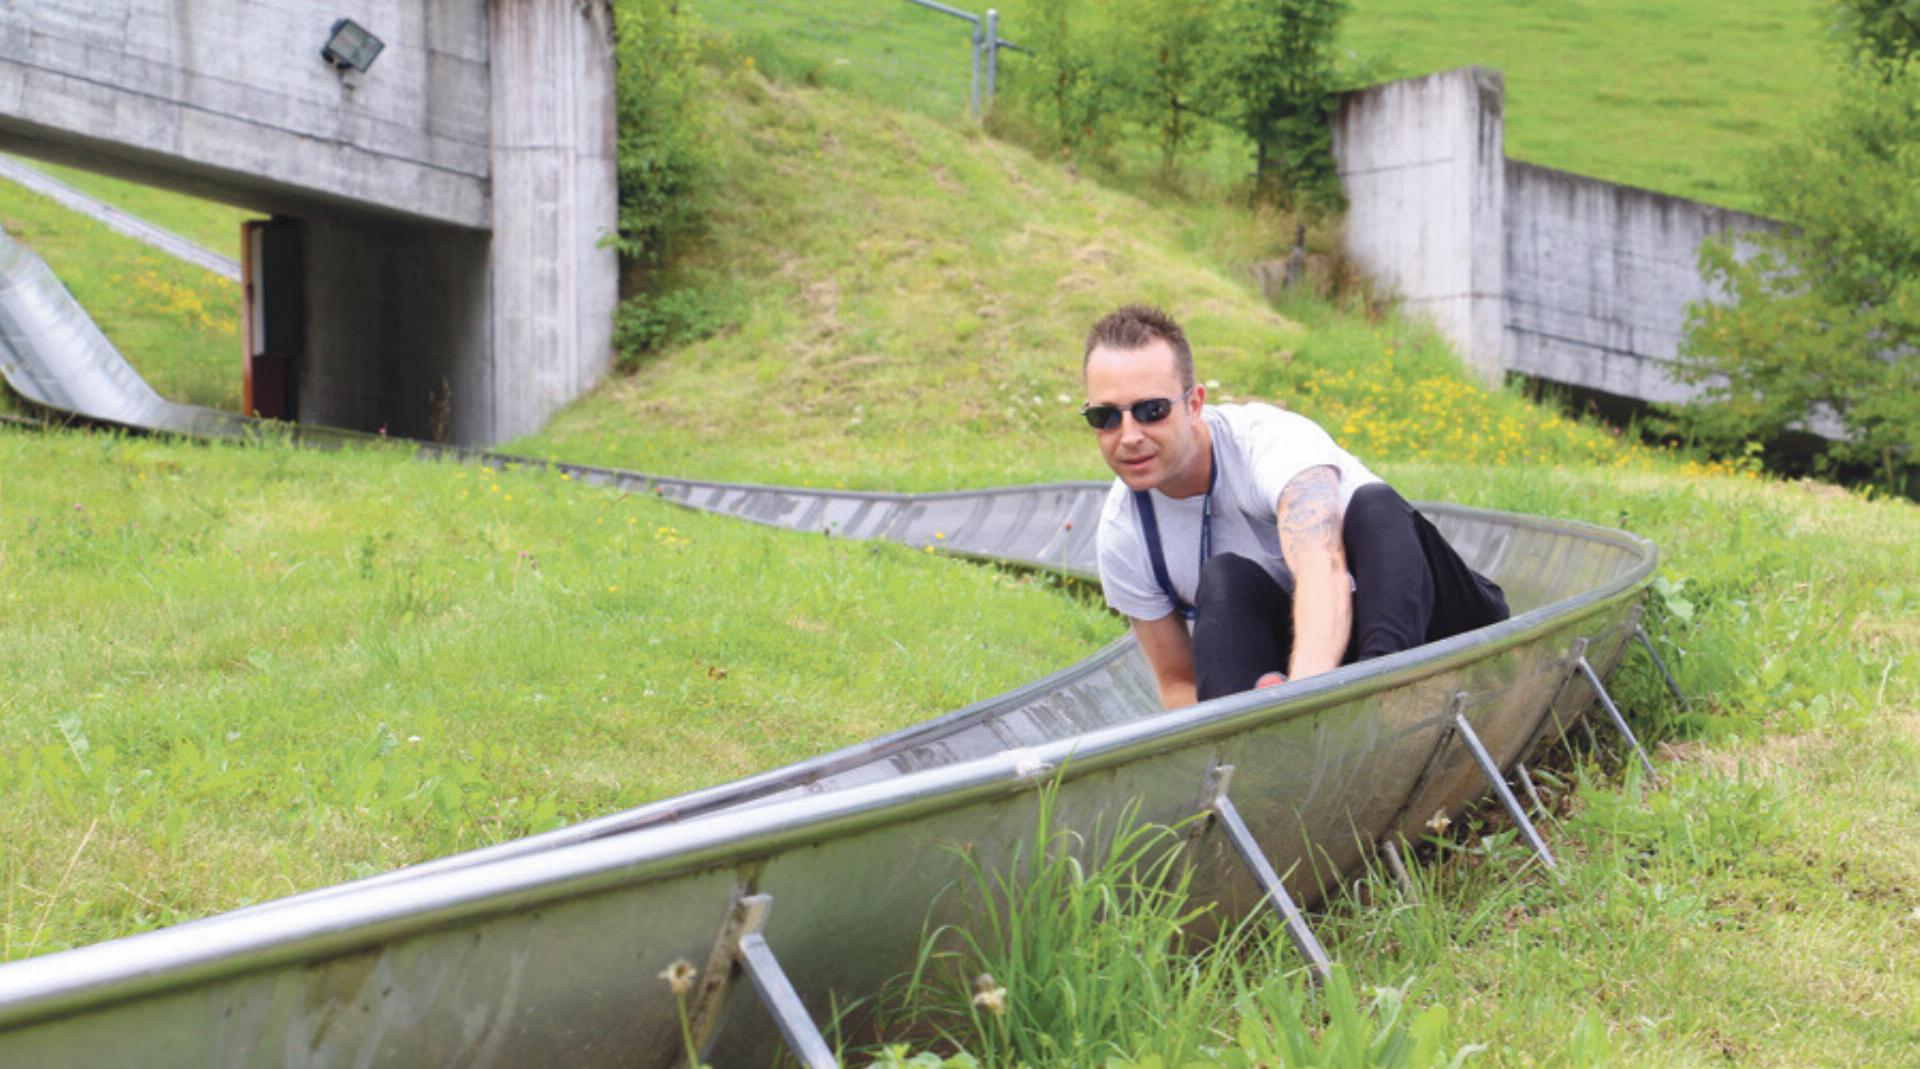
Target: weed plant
[(1081, 953)]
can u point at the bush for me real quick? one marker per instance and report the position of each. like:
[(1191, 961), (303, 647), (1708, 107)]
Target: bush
[(649, 322), (662, 158), (1824, 324)]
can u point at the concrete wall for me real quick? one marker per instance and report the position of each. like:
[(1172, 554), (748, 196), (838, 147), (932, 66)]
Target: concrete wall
[(1553, 275), (229, 99), (446, 210), (1599, 277), (1421, 162), (554, 202)]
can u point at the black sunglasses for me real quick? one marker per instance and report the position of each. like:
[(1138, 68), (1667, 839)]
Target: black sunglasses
[(1150, 410)]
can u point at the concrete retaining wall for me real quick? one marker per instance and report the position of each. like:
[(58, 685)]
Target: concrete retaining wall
[(1526, 269), (440, 219)]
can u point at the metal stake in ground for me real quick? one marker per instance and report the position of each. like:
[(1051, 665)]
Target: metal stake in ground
[(1249, 850), (1613, 713), (1673, 687), (1458, 706)]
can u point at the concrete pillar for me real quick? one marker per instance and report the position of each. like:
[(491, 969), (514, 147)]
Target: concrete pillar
[(1423, 163), (554, 280)]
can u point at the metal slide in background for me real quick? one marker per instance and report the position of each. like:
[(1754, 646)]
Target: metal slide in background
[(546, 950)]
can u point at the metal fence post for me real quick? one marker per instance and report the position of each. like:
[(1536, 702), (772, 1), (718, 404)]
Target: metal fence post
[(977, 35), (993, 54)]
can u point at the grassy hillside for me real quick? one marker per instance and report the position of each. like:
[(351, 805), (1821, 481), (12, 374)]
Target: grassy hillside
[(177, 324), (1674, 97), (236, 672), (905, 300)]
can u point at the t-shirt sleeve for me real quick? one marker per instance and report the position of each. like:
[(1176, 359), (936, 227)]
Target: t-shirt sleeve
[(1126, 578), (1280, 445)]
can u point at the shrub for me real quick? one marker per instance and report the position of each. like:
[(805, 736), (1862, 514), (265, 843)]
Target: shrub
[(662, 159), (1824, 319)]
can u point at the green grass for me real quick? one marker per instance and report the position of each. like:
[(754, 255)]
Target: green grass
[(908, 298), (1672, 97), (175, 323), (1676, 97), (227, 652), (212, 225), (237, 672)]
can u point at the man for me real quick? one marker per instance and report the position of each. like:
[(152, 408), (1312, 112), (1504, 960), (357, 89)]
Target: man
[(1287, 554)]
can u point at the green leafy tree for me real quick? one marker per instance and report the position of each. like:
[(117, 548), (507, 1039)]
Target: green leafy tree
[(1275, 65), (1065, 85), (1162, 71), (1878, 31), (1822, 321)]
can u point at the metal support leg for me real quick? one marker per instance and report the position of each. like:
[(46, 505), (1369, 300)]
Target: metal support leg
[(1613, 713), (1249, 849), (1533, 793), (1499, 785), (1673, 687), (741, 944), (1395, 865)]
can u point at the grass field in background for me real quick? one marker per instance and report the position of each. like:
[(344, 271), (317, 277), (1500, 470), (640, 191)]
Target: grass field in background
[(177, 324), (1673, 97), (1676, 97)]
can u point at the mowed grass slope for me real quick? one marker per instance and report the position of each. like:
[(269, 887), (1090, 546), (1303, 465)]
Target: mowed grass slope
[(235, 672), (908, 299)]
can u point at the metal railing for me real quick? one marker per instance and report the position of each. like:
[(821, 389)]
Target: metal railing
[(987, 44)]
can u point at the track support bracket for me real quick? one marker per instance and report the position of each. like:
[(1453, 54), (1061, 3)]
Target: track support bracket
[(1613, 714), (742, 945), (1457, 705), (1673, 685), (1222, 807)]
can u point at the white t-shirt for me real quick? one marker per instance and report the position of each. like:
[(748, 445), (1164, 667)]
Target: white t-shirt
[(1259, 449)]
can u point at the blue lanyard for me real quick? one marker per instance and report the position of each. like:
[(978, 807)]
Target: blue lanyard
[(1156, 556)]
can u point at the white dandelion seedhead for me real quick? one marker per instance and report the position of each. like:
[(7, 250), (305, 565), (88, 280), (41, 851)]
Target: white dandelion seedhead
[(680, 976)]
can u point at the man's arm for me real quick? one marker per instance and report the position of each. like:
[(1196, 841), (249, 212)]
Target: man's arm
[(1310, 543), (1169, 651)]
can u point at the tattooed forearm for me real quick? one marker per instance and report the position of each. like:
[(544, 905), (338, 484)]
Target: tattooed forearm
[(1310, 513), (1310, 541)]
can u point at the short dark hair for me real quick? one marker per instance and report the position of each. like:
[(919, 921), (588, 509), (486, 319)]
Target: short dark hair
[(1137, 326)]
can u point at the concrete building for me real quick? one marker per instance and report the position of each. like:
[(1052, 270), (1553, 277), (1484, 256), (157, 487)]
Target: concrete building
[(1556, 276), (435, 264)]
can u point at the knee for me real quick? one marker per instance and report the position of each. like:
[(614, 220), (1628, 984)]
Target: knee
[(1226, 577), (1375, 504)]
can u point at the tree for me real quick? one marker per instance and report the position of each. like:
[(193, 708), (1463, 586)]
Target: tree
[(1275, 63), (1822, 324)]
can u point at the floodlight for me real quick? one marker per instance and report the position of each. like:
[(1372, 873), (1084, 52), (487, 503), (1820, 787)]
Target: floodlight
[(350, 45)]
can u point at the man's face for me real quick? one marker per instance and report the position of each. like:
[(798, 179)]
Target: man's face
[(1146, 455)]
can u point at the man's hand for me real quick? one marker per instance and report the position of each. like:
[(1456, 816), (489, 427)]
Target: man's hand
[(1310, 542), (1169, 651)]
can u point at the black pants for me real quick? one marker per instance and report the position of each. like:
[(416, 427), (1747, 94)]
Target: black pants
[(1410, 587)]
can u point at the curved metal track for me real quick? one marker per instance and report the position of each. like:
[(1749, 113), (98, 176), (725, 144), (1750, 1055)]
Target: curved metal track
[(545, 950)]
